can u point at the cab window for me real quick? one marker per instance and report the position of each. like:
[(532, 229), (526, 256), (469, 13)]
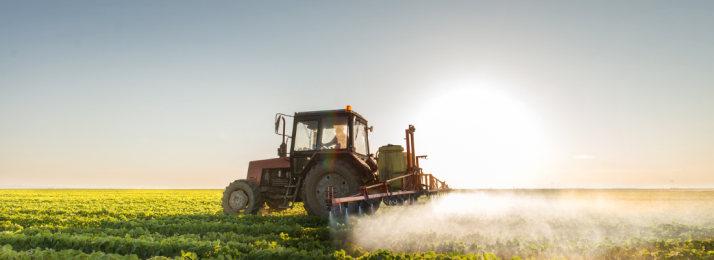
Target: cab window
[(306, 136), (360, 134), (335, 132)]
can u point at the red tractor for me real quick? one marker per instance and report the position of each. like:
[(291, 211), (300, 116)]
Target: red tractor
[(329, 158)]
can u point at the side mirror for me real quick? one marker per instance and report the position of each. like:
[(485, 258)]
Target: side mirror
[(371, 128), (277, 124)]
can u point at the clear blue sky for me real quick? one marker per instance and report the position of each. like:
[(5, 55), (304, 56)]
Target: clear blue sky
[(178, 94)]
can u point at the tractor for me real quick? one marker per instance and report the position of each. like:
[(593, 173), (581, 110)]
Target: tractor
[(329, 158)]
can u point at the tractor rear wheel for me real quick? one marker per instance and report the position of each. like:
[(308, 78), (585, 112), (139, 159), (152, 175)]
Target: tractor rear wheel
[(241, 197), (341, 175)]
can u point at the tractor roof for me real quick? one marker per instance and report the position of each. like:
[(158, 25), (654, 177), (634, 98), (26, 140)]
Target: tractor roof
[(335, 112)]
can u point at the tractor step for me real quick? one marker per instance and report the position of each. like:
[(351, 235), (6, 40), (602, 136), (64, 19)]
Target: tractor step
[(289, 199)]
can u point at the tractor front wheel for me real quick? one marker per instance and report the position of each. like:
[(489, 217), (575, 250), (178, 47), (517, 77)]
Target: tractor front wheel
[(241, 197)]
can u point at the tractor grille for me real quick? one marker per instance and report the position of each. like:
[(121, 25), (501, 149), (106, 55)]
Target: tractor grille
[(279, 182), (276, 177)]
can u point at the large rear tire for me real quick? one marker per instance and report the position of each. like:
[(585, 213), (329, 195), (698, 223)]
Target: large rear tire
[(241, 197), (339, 174)]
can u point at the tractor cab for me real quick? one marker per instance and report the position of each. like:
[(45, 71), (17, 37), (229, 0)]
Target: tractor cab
[(324, 132)]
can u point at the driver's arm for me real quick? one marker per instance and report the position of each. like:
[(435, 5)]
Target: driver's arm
[(331, 143)]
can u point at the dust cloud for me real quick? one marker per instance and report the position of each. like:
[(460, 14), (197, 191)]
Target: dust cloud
[(537, 223)]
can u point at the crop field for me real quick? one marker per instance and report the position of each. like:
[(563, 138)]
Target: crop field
[(485, 224)]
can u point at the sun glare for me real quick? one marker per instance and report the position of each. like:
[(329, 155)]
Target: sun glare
[(478, 137)]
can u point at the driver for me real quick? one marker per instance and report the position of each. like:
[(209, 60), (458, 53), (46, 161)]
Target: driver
[(340, 139)]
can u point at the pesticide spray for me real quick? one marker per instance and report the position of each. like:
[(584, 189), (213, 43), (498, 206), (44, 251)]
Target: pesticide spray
[(577, 224)]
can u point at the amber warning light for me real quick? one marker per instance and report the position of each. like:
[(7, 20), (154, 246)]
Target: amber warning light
[(348, 108)]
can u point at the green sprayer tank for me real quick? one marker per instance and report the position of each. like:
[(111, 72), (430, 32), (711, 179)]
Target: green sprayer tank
[(392, 159)]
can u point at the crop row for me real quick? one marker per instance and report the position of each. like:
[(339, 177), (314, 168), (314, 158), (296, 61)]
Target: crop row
[(542, 248), (283, 238), (142, 247), (109, 220), (194, 228), (581, 249), (278, 253)]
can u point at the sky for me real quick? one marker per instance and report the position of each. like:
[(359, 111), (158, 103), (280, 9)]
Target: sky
[(516, 94)]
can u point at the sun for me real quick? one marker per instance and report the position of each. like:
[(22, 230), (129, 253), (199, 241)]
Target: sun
[(478, 137)]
